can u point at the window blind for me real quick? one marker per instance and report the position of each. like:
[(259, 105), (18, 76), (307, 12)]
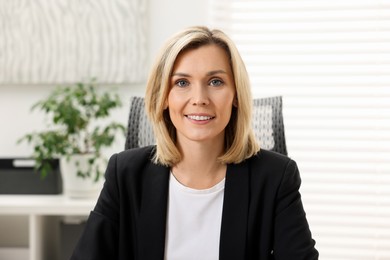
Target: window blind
[(330, 60)]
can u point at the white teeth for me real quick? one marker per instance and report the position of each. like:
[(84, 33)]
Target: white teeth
[(199, 118)]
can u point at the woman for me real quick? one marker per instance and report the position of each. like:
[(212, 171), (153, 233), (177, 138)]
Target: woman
[(206, 190)]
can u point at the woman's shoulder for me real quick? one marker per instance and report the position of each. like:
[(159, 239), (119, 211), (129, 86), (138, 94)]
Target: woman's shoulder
[(133, 165), (132, 160), (274, 163), (141, 153), (270, 157)]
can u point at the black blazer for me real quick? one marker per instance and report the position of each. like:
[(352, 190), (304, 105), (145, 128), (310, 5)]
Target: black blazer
[(262, 218)]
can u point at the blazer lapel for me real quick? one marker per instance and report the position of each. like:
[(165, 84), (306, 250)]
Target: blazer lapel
[(235, 212), (153, 211)]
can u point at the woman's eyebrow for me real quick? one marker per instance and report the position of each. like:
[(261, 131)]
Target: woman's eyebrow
[(210, 73), (180, 74), (213, 72)]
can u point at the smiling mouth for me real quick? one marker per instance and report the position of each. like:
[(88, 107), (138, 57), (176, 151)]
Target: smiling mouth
[(199, 118)]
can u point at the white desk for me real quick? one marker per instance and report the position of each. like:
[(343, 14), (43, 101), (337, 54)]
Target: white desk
[(43, 212)]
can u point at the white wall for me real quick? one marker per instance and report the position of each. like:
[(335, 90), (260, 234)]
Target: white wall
[(165, 18), (169, 16)]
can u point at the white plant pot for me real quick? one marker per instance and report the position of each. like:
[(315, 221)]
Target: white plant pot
[(76, 186)]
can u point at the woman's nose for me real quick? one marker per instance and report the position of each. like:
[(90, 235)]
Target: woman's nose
[(200, 95)]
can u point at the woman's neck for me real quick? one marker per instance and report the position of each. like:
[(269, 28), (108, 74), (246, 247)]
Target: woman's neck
[(199, 167)]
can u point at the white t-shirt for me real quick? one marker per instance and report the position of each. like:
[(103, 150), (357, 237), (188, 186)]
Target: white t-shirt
[(193, 222)]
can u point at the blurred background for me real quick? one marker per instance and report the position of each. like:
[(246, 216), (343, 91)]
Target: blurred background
[(330, 60)]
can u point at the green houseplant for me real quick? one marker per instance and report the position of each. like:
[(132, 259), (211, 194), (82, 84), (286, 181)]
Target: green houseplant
[(75, 127)]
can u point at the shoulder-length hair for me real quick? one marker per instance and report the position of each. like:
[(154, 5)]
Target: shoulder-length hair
[(240, 141)]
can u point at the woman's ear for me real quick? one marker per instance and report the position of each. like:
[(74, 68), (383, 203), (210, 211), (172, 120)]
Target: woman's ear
[(235, 102)]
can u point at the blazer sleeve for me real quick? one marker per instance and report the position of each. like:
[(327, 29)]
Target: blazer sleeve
[(99, 240), (293, 238)]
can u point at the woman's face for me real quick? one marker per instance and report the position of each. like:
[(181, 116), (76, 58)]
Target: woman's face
[(202, 95)]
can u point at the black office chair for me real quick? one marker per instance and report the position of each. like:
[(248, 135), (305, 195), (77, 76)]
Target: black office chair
[(267, 124)]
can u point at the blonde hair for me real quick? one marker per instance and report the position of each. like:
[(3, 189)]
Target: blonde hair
[(240, 141)]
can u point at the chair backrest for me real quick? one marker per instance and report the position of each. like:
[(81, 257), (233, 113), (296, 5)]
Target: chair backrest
[(267, 124)]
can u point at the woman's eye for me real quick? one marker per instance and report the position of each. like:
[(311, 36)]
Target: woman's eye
[(182, 83), (216, 82)]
